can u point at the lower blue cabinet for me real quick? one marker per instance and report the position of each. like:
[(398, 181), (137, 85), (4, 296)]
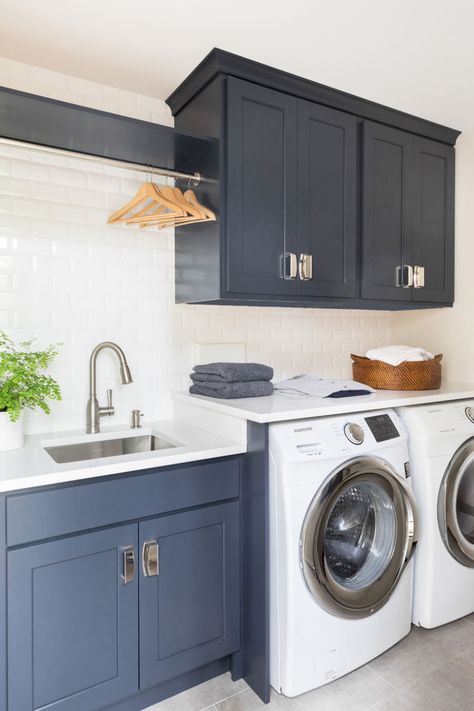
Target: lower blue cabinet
[(107, 599), (97, 617), (73, 622), (190, 591)]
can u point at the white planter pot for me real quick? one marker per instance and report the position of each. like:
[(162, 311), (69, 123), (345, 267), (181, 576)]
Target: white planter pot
[(11, 433)]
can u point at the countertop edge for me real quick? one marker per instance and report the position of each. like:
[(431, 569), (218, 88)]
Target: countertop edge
[(382, 400)]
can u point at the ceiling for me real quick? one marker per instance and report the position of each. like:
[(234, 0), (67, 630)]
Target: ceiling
[(415, 55)]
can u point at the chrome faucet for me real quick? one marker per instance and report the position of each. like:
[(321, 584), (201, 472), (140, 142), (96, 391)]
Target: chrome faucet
[(94, 411)]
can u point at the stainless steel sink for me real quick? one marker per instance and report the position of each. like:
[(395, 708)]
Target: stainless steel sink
[(98, 449)]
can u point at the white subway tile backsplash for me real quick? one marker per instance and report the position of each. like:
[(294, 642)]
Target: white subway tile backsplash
[(66, 276)]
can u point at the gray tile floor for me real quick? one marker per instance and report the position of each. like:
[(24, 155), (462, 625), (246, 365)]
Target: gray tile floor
[(430, 670)]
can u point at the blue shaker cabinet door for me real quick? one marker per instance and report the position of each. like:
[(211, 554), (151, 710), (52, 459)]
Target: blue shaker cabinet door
[(261, 189), (190, 604), (387, 211), (72, 623), (433, 229), (327, 200)]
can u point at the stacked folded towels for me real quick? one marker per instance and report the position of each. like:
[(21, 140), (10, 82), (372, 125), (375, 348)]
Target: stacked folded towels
[(232, 380)]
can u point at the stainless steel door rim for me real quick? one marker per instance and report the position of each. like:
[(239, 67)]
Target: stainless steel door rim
[(386, 520), (456, 505)]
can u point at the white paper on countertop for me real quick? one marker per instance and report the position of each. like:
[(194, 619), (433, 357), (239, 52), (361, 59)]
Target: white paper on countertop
[(313, 385)]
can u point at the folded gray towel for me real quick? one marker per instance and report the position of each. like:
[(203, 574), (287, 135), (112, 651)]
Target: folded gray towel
[(256, 388), (233, 372)]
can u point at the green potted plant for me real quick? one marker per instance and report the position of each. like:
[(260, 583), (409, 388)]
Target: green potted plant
[(24, 383)]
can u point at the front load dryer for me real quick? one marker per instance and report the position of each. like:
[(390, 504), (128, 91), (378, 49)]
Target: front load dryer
[(441, 446), (343, 528)]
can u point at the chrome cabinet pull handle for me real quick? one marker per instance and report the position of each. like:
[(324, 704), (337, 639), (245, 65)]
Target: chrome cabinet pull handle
[(151, 559), (404, 276), (418, 277), (128, 553), (289, 266), (306, 267)]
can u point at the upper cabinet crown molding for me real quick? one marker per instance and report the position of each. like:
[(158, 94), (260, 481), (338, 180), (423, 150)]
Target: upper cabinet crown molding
[(219, 61)]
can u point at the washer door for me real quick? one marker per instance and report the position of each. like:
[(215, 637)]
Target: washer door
[(456, 505), (358, 536)]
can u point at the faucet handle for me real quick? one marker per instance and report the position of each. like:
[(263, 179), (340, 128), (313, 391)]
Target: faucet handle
[(109, 410)]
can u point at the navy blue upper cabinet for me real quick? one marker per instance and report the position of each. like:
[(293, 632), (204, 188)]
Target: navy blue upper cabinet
[(324, 199), (407, 217), (189, 597), (433, 220), (72, 623), (261, 189), (386, 212), (327, 201)]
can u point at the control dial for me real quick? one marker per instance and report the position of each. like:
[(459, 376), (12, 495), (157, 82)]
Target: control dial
[(469, 413), (354, 433)]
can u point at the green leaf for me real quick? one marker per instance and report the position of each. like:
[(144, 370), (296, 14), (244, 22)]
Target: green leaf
[(23, 382)]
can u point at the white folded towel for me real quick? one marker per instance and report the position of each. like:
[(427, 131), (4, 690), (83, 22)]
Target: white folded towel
[(394, 355)]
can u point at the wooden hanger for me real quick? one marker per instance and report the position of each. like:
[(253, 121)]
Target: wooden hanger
[(163, 209), (189, 202), (190, 213), (162, 206), (146, 192), (191, 197), (206, 214)]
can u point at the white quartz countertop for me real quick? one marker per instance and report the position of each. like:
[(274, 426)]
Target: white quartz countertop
[(279, 407), (32, 466)]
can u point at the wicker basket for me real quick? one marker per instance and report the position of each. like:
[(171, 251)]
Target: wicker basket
[(409, 375)]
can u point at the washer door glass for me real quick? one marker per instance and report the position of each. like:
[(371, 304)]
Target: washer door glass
[(456, 505), (361, 533), (357, 538)]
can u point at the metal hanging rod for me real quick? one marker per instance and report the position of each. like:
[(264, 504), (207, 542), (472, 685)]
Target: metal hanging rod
[(194, 178)]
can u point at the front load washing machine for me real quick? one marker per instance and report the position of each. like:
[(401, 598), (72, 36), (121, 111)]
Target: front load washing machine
[(441, 446), (343, 528)]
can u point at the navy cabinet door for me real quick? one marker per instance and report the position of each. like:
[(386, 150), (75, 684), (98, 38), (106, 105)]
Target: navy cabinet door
[(386, 211), (190, 610), (327, 199), (72, 623), (433, 219), (261, 188)]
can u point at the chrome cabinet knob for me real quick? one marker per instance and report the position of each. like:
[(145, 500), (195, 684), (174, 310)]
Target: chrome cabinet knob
[(289, 267), (418, 277), (306, 267)]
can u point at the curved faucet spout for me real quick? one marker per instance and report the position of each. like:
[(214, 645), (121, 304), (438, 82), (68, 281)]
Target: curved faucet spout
[(94, 411)]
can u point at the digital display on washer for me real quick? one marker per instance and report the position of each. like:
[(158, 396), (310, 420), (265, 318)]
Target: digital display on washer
[(382, 427)]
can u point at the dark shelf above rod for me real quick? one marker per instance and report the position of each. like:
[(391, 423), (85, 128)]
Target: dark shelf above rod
[(55, 124)]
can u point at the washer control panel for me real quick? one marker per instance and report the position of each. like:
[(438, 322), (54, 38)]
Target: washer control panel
[(340, 436), (354, 433), (469, 413), (382, 427)]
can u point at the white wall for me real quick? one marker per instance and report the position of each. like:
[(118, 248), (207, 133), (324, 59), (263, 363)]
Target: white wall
[(67, 276)]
